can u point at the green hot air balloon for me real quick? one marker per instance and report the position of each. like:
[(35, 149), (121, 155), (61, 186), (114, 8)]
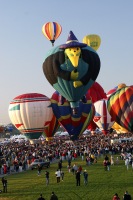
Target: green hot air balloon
[(71, 69)]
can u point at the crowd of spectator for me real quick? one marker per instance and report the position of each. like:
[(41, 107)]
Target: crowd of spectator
[(16, 157)]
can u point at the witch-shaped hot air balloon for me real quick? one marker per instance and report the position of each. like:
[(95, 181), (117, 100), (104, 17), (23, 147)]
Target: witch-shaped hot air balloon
[(71, 69)]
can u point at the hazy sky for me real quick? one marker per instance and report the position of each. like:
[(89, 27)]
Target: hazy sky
[(23, 46)]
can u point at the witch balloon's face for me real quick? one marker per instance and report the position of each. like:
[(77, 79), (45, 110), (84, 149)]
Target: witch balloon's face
[(73, 55)]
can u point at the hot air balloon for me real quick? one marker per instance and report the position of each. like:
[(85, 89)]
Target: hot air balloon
[(102, 117), (30, 113), (120, 107), (75, 125), (96, 93), (71, 69), (51, 31), (51, 129), (93, 41), (119, 129), (121, 85)]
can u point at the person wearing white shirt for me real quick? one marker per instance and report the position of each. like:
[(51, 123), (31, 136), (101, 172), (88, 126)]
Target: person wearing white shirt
[(58, 175)]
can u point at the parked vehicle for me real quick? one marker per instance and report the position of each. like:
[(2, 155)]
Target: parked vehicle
[(43, 163)]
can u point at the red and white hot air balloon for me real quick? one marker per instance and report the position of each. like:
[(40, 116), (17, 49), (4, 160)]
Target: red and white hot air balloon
[(30, 113), (102, 117)]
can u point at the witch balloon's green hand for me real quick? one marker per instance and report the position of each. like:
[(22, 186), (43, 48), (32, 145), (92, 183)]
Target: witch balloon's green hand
[(77, 84)]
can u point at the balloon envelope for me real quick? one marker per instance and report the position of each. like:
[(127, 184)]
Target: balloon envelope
[(102, 117), (93, 41), (73, 124), (30, 113), (110, 92), (52, 127), (119, 129), (51, 31), (96, 93), (120, 107), (57, 70)]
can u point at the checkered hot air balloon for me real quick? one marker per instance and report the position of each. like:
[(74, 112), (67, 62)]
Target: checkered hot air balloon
[(120, 107)]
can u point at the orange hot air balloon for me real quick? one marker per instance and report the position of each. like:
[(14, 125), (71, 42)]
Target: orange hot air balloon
[(51, 31)]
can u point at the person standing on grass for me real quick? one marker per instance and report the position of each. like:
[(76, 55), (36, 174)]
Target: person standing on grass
[(39, 168), (117, 160), (85, 174), (5, 185), (78, 178), (47, 177), (3, 180), (58, 175), (53, 196), (127, 196), (69, 168), (106, 158), (62, 175), (116, 197), (112, 160), (41, 197), (127, 163), (108, 165)]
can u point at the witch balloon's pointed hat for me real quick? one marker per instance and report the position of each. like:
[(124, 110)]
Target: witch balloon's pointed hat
[(72, 41)]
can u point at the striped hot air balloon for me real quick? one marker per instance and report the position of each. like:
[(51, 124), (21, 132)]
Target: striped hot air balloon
[(75, 125), (52, 31), (30, 113)]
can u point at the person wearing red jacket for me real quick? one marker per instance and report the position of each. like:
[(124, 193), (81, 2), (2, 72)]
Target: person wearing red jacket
[(116, 197)]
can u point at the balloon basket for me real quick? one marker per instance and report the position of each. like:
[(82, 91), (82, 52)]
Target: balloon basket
[(48, 139), (34, 141)]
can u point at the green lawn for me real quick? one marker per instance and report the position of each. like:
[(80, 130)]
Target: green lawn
[(102, 184)]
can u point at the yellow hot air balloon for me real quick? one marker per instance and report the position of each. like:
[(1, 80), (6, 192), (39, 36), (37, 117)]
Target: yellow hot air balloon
[(93, 41)]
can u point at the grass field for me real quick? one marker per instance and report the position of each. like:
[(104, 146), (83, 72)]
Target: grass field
[(102, 184)]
